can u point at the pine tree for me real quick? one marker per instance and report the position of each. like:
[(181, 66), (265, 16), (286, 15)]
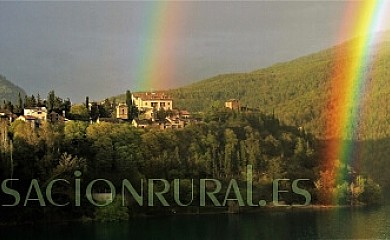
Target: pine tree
[(87, 102), (19, 107), (39, 101), (51, 97), (33, 101), (132, 109)]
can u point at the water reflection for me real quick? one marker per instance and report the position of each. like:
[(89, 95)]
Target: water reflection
[(345, 223)]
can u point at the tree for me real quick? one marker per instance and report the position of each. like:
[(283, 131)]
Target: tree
[(127, 148), (9, 106), (75, 130), (79, 112), (53, 103), (66, 106), (129, 101), (39, 101), (106, 110), (50, 141), (51, 97), (87, 102), (25, 148), (252, 147), (27, 102), (68, 163), (132, 109), (94, 111), (19, 108), (161, 114), (230, 152), (372, 193), (30, 101), (33, 101), (102, 146)]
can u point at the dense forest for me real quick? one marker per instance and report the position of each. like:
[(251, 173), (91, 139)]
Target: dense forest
[(220, 146), (298, 91)]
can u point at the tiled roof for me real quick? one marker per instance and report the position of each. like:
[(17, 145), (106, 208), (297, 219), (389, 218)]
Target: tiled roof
[(36, 108), (29, 117), (152, 96), (184, 112), (143, 121)]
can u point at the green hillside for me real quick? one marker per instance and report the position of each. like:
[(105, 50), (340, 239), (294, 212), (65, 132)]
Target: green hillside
[(9, 91), (297, 91)]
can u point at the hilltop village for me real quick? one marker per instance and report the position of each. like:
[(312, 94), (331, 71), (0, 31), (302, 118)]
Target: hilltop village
[(141, 109), (153, 109)]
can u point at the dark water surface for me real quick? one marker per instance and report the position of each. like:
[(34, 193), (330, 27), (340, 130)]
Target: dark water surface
[(343, 223)]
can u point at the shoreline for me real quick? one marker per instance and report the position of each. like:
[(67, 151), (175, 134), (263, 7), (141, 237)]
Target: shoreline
[(206, 211)]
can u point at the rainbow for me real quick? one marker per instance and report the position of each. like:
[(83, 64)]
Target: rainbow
[(157, 43), (349, 81)]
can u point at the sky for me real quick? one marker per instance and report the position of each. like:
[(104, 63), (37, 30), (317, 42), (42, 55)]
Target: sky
[(101, 49)]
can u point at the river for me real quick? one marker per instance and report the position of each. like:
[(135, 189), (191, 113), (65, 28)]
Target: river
[(341, 223)]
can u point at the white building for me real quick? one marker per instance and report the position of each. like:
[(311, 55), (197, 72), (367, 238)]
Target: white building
[(149, 102), (122, 111), (156, 100), (40, 113)]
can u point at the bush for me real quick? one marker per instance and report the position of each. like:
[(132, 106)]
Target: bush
[(372, 193), (113, 212)]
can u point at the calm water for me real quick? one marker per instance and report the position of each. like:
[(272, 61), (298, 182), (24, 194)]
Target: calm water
[(346, 223)]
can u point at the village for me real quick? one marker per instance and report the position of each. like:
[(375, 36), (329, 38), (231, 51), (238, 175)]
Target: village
[(148, 110)]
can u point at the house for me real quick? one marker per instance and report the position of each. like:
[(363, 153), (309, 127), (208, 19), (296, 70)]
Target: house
[(122, 111), (184, 114), (33, 121), (142, 123), (167, 123), (149, 102), (54, 117), (148, 105), (7, 116), (175, 123), (233, 104), (40, 113)]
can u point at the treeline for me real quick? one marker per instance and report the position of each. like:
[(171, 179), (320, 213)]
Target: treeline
[(87, 111), (53, 103), (220, 147), (92, 110)]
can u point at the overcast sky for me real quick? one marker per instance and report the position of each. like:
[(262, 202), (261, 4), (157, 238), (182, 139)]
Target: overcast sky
[(92, 48)]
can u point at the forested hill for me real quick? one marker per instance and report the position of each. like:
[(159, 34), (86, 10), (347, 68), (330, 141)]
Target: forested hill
[(297, 91), (9, 91)]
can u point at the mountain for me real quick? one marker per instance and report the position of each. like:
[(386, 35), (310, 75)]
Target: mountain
[(297, 91), (9, 91)]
